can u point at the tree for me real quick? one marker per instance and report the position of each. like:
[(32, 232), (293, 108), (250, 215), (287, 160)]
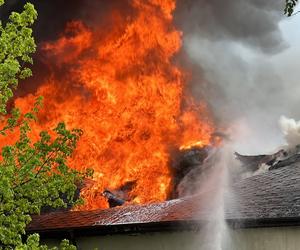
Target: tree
[(290, 6), (35, 174)]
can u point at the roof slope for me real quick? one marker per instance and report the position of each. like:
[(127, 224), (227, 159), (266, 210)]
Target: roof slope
[(273, 196)]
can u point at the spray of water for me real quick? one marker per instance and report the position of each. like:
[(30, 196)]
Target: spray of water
[(218, 186), (213, 184)]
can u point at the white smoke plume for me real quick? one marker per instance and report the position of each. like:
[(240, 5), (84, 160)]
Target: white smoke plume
[(291, 130)]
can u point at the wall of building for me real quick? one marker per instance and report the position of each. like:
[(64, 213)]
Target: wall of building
[(287, 238)]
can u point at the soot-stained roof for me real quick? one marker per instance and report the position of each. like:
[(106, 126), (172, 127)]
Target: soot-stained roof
[(268, 199)]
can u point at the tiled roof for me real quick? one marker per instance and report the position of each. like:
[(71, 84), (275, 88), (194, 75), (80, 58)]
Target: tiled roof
[(274, 194), (271, 196)]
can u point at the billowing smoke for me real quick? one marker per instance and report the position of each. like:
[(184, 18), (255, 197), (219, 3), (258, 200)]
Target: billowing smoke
[(291, 130), (253, 23), (239, 55)]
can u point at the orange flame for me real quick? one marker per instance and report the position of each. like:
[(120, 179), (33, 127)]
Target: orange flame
[(122, 88)]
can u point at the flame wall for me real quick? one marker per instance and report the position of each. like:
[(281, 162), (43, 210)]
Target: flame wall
[(118, 82)]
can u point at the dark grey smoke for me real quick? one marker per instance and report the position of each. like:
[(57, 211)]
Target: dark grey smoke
[(54, 14), (252, 22), (234, 46)]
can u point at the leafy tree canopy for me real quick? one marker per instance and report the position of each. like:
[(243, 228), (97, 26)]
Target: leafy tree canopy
[(290, 6), (16, 47), (33, 174)]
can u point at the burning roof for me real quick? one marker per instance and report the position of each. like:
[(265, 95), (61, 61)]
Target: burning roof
[(268, 199)]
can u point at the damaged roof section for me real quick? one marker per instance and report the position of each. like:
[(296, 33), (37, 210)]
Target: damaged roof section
[(269, 199), (282, 158)]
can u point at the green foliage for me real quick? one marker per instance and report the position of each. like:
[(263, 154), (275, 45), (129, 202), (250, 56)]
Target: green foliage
[(290, 6), (33, 243), (16, 46), (33, 174)]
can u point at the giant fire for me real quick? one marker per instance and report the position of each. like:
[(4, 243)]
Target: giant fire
[(122, 87)]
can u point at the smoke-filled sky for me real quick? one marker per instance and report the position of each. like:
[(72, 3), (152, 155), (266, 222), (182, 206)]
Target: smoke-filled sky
[(244, 57), (248, 52)]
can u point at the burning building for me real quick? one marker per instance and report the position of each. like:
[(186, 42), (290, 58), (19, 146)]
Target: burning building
[(118, 71)]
